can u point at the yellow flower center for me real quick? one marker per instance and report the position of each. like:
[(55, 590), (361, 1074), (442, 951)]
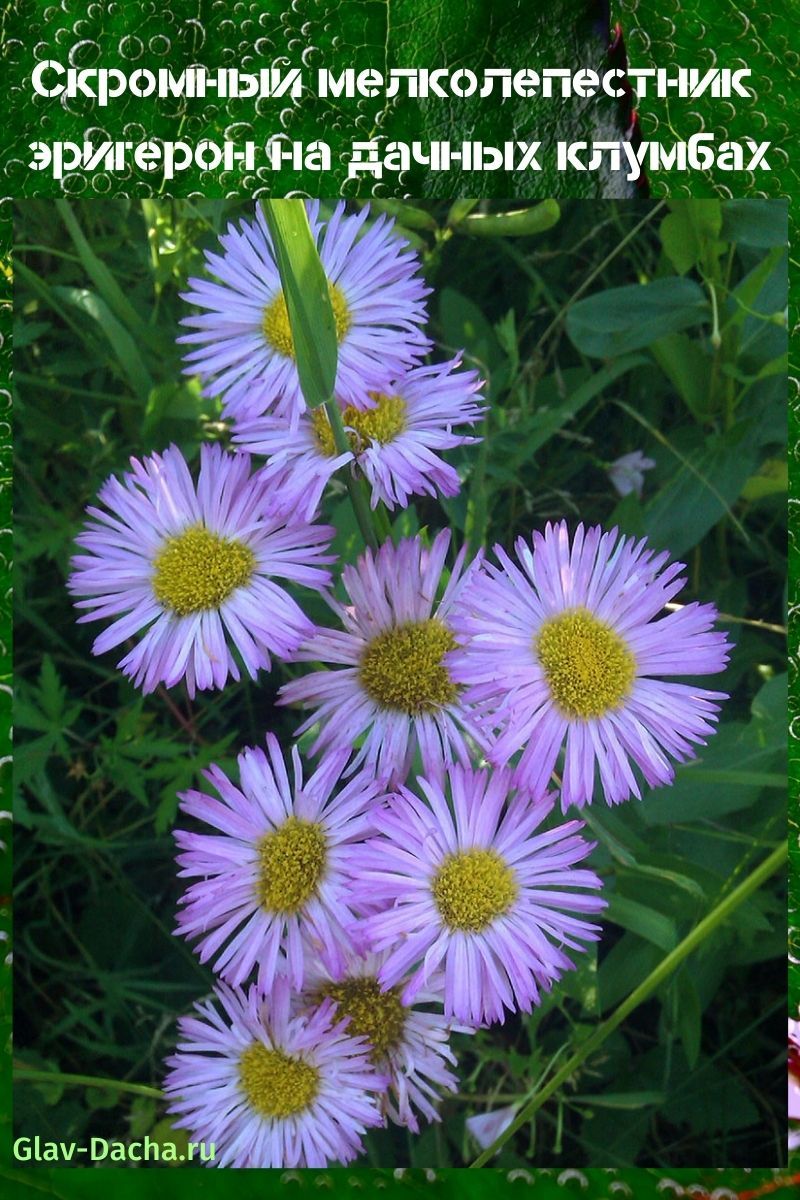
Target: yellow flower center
[(588, 667), (276, 1084), (292, 860), (278, 332), (198, 570), (403, 669), (380, 424), (378, 1016), (472, 888)]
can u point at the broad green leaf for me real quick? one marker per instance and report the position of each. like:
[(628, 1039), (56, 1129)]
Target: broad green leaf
[(689, 232), (619, 320), (175, 400), (769, 708), (758, 223), (711, 1098), (706, 483), (305, 290), (688, 368)]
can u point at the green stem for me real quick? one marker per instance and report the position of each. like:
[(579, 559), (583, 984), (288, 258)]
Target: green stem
[(357, 497), (111, 1085), (693, 939), (477, 509), (382, 522)]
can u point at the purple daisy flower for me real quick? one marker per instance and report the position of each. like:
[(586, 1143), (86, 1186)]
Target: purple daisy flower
[(392, 688), (486, 1127), (627, 473), (408, 1042), (396, 445), (244, 347), (474, 889), (272, 888), (270, 1087), (193, 569), (565, 650)]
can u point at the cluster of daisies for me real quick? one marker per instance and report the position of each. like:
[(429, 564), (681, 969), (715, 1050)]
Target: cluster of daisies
[(415, 876)]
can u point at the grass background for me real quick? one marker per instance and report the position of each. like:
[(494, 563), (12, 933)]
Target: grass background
[(696, 1074)]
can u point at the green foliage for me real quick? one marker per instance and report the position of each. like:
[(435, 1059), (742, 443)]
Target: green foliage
[(620, 320), (594, 342)]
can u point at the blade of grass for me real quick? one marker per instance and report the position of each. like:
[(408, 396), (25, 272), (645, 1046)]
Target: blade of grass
[(122, 343), (47, 295), (311, 320), (30, 1075), (102, 278), (308, 304)]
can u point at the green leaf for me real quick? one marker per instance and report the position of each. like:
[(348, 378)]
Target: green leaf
[(630, 1101), (772, 477), (750, 289), (688, 368), (52, 692), (102, 278), (689, 1016), (711, 1098), (458, 210), (708, 481), (624, 966), (653, 926), (769, 708), (174, 400), (689, 232), (464, 325), (758, 223), (122, 343), (305, 290), (618, 320)]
